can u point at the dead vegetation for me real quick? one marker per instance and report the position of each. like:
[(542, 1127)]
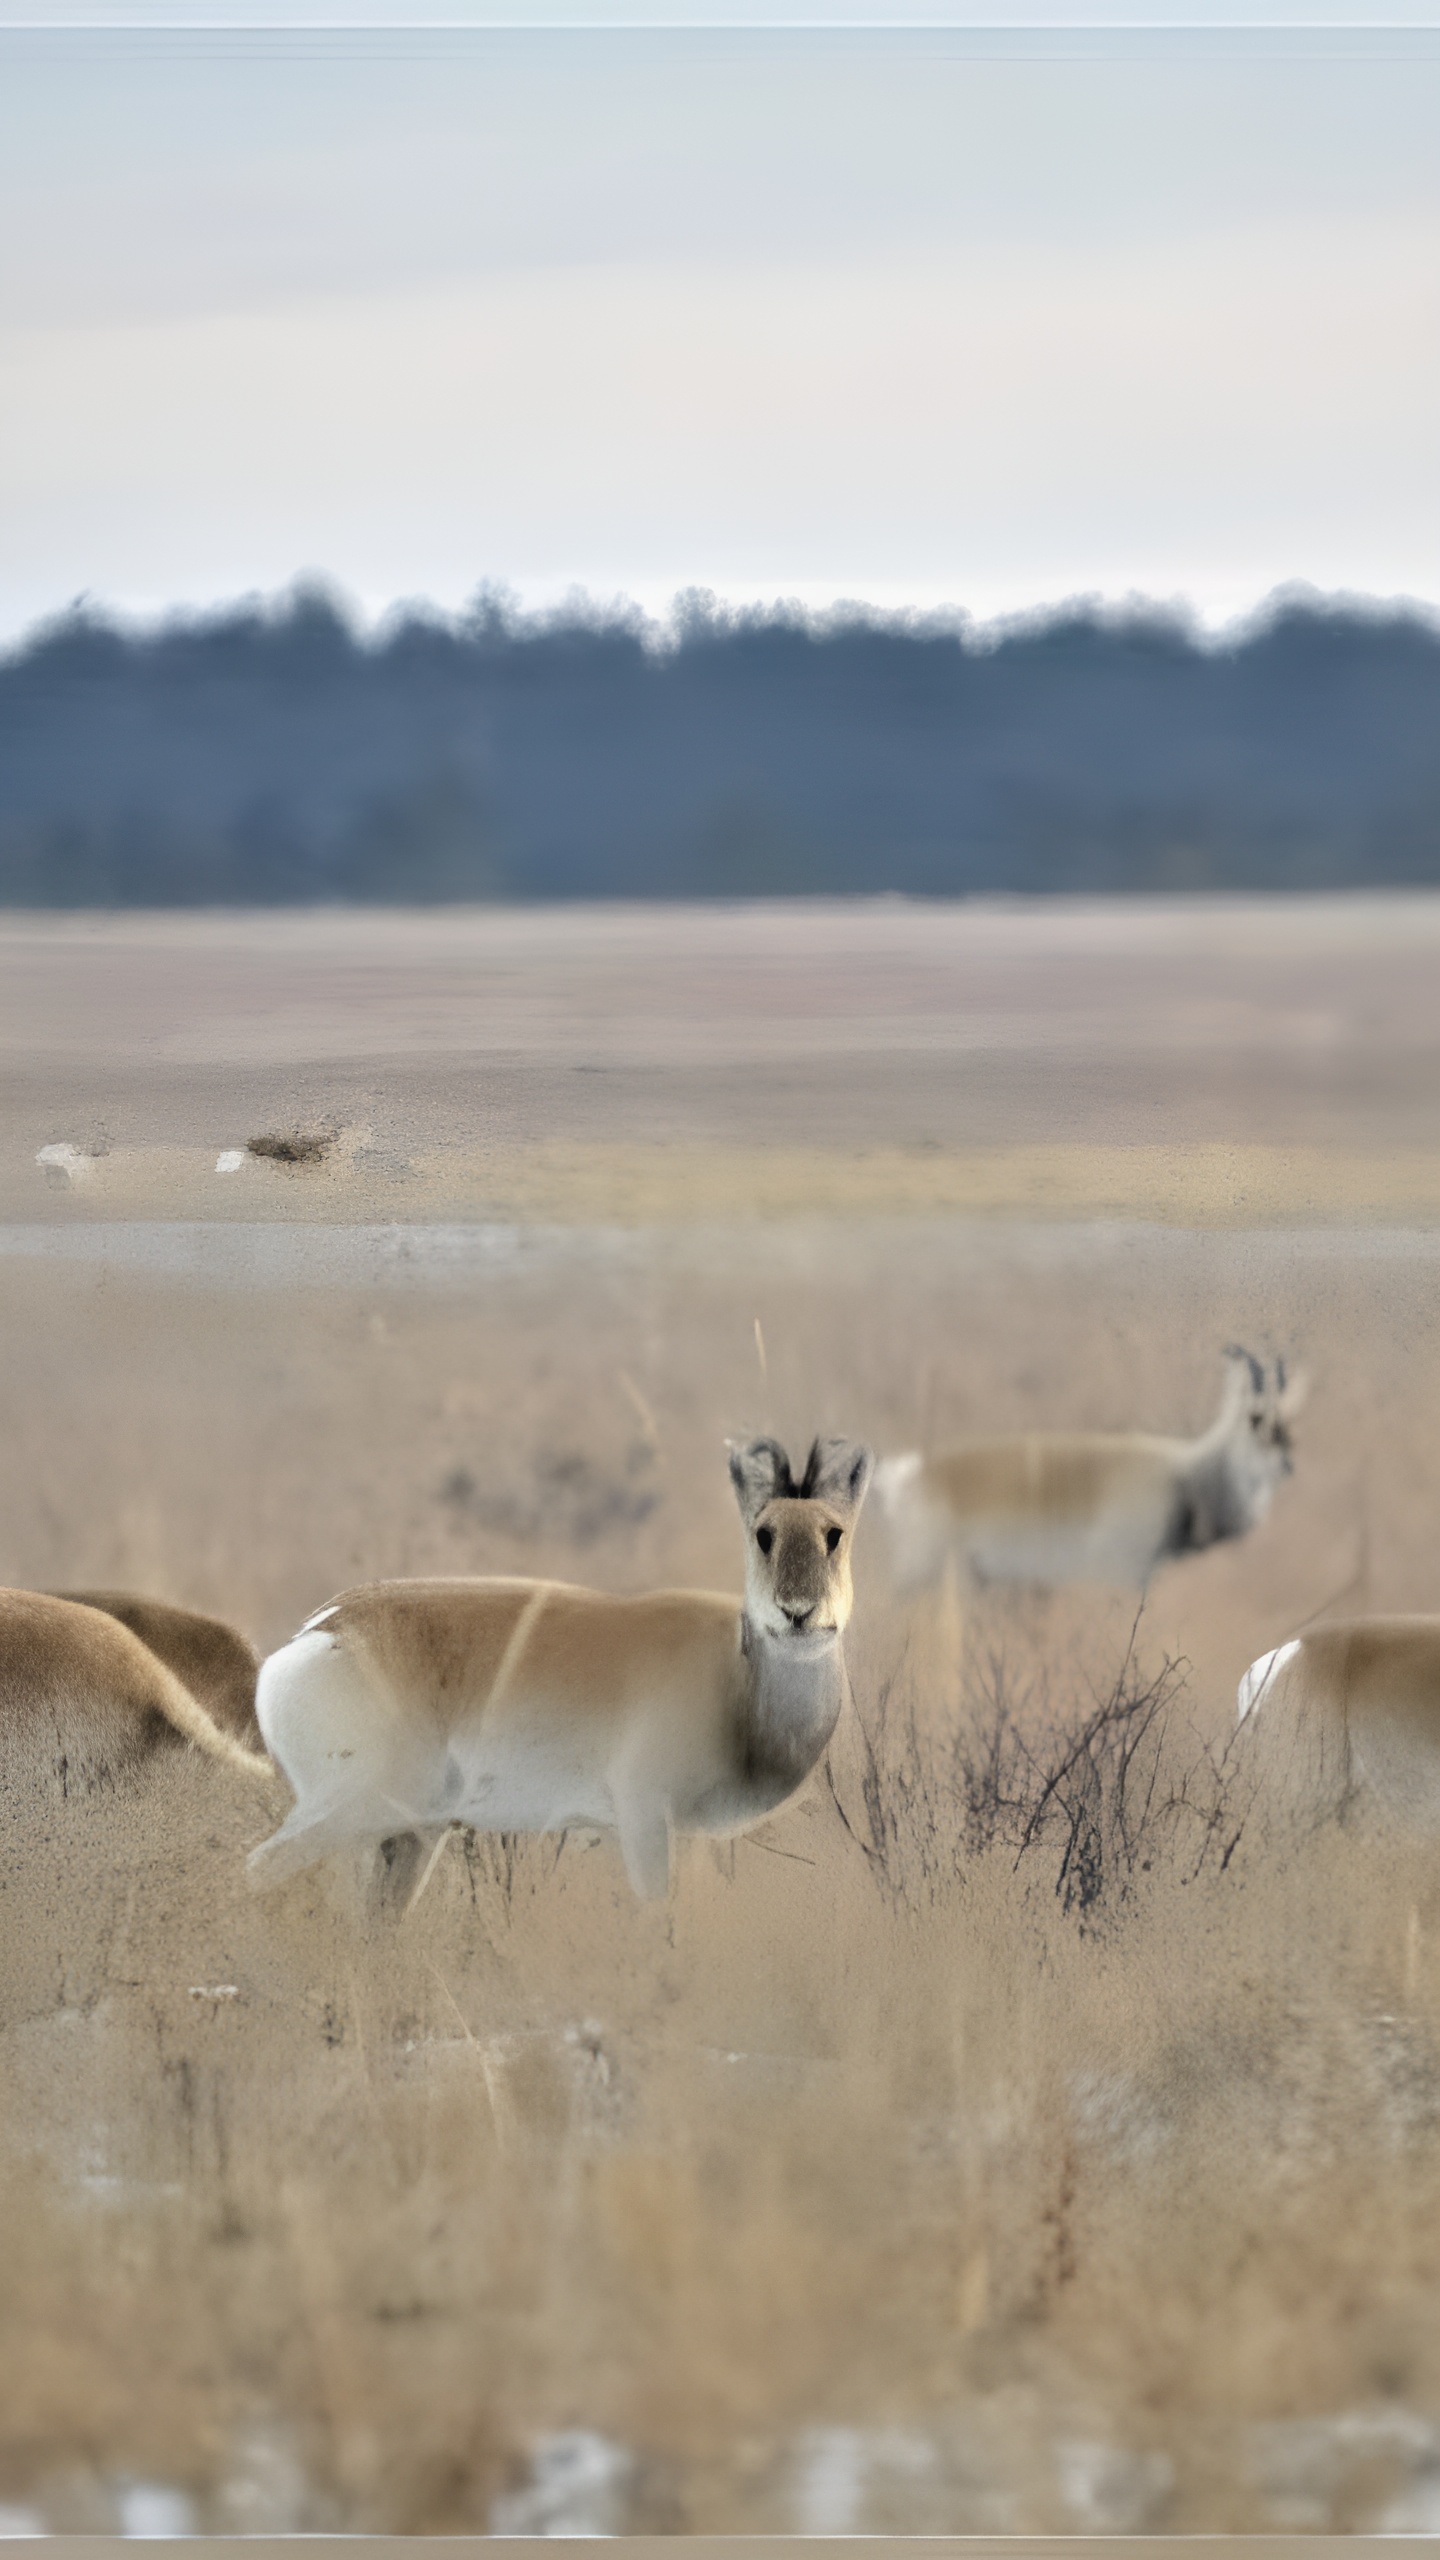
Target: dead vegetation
[(295, 1146), (568, 1494), (1049, 2141), (1090, 1784), (797, 2207)]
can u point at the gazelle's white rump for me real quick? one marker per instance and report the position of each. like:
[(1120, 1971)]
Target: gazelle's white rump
[(1367, 1692), (519, 1705), (1264, 1671), (83, 1699), (1105, 1507)]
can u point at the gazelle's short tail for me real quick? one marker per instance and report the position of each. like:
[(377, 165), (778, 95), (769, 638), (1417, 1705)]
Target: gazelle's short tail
[(1261, 1676), (192, 1723)]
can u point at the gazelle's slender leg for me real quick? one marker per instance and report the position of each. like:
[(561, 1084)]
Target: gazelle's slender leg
[(428, 1870), (299, 1843), (644, 1827)]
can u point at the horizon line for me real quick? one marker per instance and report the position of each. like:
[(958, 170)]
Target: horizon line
[(692, 606)]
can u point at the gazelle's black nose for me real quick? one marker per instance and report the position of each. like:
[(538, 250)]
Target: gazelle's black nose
[(797, 1615)]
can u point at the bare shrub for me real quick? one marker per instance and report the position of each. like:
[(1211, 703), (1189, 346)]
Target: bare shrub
[(296, 1146), (1097, 1782)]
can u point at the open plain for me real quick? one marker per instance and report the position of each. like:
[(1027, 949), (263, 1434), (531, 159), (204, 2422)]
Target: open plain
[(1037, 2126)]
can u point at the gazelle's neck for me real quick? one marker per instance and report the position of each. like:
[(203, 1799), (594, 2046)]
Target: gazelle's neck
[(792, 1693), (1227, 1489), (1224, 1432)]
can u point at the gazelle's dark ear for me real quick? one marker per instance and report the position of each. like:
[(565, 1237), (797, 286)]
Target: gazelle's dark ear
[(1237, 1352), (759, 1471), (838, 1472)]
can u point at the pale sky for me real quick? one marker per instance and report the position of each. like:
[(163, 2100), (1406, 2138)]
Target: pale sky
[(924, 317)]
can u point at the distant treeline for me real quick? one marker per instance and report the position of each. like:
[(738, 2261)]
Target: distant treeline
[(261, 756)]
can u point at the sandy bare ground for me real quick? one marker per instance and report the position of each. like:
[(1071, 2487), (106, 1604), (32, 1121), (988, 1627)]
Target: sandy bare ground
[(1252, 1062), (922, 2166)]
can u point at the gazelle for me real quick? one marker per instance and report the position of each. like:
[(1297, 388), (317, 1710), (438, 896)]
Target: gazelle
[(84, 1699), (1091, 1506), (213, 1660), (1363, 1700), (534, 1706)]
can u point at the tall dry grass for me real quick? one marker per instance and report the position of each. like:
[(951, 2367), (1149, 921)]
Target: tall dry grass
[(895, 2162), (1090, 1782), (1036, 2127)]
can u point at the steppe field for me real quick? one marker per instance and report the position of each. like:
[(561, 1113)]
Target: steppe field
[(1034, 2128)]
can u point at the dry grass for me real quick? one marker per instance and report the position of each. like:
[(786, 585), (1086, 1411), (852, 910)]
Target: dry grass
[(802, 2183), (1093, 1784), (298, 1146), (1036, 2127), (698, 1181)]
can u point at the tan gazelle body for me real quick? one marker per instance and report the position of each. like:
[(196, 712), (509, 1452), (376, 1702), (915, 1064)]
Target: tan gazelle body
[(1090, 1506), (513, 1705), (211, 1658), (83, 1699), (1359, 1702)]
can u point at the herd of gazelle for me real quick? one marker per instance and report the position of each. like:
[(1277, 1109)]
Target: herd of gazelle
[(524, 1705)]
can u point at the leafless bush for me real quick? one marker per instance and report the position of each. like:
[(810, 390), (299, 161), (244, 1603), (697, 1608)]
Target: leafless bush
[(1101, 1782), (295, 1146)]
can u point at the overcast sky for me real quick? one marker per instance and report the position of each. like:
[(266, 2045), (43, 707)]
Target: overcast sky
[(886, 316)]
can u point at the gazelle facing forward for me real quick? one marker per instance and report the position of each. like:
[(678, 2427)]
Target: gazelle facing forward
[(534, 1706), (1360, 1701), (1091, 1506), (82, 1699)]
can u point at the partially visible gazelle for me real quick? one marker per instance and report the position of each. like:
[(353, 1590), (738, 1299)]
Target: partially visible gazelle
[(534, 1706), (1091, 1506), (212, 1659), (1361, 1700), (82, 1699)]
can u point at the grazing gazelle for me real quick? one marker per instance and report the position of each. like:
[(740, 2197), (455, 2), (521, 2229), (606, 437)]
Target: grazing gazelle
[(214, 1661), (1092, 1506), (534, 1706), (83, 1699), (1362, 1699)]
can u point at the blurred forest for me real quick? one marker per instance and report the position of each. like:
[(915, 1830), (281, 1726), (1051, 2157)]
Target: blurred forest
[(272, 753)]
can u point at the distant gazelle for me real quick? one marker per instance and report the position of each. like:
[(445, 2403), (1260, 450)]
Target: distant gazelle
[(213, 1660), (83, 1699), (534, 1706), (1092, 1506), (1362, 1701)]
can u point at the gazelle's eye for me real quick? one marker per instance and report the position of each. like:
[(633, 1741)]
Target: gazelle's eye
[(832, 1540), (764, 1540)]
